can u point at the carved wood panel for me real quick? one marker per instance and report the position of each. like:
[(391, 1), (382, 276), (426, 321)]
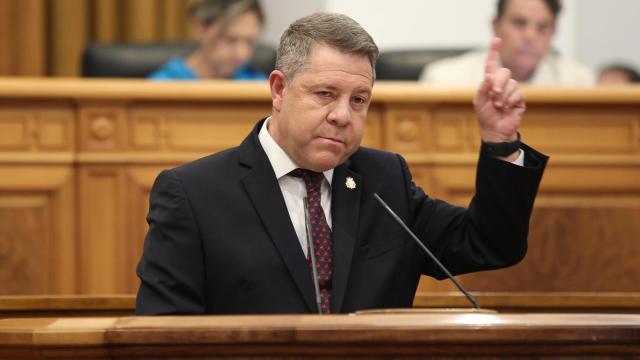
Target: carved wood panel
[(33, 127), (583, 235), (37, 243), (199, 128), (574, 249), (583, 130), (101, 228), (139, 182)]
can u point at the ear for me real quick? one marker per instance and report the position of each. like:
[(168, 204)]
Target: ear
[(278, 86)]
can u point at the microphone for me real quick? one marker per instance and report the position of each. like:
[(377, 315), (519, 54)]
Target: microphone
[(312, 253), (442, 267)]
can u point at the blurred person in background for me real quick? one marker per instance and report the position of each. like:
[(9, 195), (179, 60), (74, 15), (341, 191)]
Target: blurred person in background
[(618, 74), (227, 31), (527, 28)]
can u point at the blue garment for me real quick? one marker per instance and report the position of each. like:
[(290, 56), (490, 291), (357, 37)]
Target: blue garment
[(177, 69)]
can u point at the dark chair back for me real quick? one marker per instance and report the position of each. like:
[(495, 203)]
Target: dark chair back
[(408, 64), (139, 60)]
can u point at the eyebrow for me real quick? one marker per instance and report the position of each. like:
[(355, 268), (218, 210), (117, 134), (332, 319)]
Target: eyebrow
[(333, 88)]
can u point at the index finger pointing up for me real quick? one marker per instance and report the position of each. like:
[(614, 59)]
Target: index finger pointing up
[(494, 54)]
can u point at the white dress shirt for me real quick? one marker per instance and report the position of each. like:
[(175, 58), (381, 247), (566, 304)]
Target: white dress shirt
[(468, 70), (294, 189)]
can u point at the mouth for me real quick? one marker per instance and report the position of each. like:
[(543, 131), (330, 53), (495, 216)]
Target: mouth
[(332, 140), (526, 51)]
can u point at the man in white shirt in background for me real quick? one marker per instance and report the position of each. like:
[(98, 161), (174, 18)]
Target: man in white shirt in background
[(527, 28)]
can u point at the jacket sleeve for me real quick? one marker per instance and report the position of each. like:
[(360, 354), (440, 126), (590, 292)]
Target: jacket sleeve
[(171, 268), (492, 232)]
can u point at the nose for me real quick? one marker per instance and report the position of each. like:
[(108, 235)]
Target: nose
[(530, 32), (243, 50), (340, 114)]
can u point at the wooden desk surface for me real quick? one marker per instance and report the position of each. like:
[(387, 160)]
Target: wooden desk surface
[(504, 302), (221, 90), (335, 335)]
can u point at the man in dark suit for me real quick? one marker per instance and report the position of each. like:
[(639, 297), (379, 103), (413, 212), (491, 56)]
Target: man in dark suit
[(227, 233)]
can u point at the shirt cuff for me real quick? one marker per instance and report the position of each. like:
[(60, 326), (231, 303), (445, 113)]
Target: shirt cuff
[(520, 160)]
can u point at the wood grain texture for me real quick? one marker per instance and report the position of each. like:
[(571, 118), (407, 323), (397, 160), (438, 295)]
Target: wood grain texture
[(23, 38), (380, 335), (43, 37), (37, 249), (503, 302), (68, 33), (113, 137)]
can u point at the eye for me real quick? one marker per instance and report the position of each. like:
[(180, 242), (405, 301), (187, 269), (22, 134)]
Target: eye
[(544, 28), (519, 23), (360, 100), (325, 94)]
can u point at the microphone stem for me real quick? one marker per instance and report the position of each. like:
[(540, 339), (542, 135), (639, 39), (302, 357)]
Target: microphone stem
[(435, 259)]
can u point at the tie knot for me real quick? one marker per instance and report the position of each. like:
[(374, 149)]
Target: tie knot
[(311, 178)]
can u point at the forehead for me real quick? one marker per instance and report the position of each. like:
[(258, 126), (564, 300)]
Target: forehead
[(536, 9), (327, 60)]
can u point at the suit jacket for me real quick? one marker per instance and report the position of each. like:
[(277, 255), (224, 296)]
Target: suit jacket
[(220, 239)]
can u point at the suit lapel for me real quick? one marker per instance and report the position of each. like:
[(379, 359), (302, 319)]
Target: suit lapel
[(263, 189), (345, 208)]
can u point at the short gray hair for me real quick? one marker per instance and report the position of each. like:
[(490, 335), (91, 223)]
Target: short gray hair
[(334, 30)]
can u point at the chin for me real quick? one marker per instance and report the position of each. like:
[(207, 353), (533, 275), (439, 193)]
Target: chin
[(324, 163)]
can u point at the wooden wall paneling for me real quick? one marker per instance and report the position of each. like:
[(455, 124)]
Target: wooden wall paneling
[(129, 131), (453, 130), (405, 128), (102, 229), (102, 195), (6, 41), (373, 128), (106, 21), (30, 48), (68, 35), (37, 242), (139, 182), (141, 20), (584, 129), (55, 129), (583, 236), (103, 126), (450, 182), (22, 40), (200, 128), (36, 129), (16, 129), (174, 20)]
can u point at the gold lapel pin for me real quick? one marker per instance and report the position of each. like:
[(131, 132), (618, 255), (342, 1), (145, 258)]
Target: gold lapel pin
[(350, 183)]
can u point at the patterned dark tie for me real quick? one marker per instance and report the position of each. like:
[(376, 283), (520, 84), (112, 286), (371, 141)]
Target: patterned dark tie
[(321, 235)]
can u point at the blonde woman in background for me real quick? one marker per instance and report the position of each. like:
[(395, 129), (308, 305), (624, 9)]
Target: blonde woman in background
[(227, 31)]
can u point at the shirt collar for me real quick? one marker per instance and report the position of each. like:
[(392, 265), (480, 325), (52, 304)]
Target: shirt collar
[(280, 161)]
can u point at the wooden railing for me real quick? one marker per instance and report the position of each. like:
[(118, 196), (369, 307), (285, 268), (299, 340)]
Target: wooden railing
[(17, 306), (78, 157), (441, 334)]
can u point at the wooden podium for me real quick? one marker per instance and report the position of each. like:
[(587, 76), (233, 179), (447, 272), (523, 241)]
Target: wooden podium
[(442, 334)]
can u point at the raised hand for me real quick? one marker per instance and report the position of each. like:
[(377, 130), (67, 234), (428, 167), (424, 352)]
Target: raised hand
[(499, 103)]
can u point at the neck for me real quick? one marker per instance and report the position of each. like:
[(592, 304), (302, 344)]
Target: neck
[(197, 62), (523, 76), (520, 75)]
